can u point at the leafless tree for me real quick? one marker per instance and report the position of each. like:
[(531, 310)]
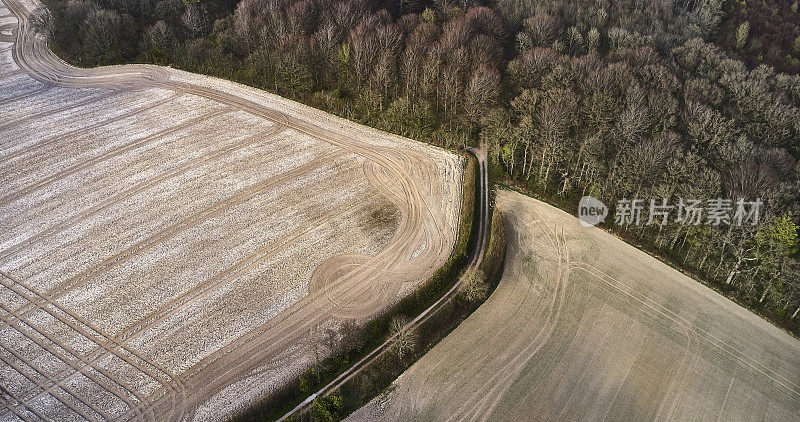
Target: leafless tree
[(406, 339), (541, 27), (195, 19), (483, 92)]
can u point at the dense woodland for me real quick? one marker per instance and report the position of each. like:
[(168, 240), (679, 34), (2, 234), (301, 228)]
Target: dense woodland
[(630, 98), (764, 31)]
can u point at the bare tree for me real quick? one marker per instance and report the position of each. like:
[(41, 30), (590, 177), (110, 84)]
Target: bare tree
[(406, 339), (575, 42), (742, 32), (194, 19), (541, 28), (482, 93), (42, 22), (594, 41), (158, 38)]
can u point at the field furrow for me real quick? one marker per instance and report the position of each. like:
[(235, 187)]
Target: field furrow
[(165, 236), (586, 327)]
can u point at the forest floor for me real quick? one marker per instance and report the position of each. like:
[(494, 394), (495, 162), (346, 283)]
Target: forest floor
[(174, 246), (584, 326)]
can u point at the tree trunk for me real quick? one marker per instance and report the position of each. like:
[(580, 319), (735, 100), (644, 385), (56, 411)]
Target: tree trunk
[(547, 174), (510, 160), (725, 243), (582, 174), (657, 242), (705, 256), (577, 162), (524, 161), (530, 163), (730, 276), (675, 239), (541, 164), (688, 253)]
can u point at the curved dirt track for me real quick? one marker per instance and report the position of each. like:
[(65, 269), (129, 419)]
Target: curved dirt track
[(170, 241), (475, 259), (585, 327)]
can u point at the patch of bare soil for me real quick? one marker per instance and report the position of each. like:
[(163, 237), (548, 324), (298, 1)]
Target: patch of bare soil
[(586, 327)]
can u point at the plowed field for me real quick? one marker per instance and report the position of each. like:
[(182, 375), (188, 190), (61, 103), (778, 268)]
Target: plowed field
[(586, 327), (169, 241)]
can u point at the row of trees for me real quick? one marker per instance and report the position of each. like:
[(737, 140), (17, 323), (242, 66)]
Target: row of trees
[(630, 98), (423, 75)]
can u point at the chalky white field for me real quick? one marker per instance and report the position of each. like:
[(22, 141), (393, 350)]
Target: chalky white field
[(169, 241)]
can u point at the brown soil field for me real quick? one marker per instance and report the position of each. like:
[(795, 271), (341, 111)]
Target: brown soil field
[(169, 242), (584, 326)]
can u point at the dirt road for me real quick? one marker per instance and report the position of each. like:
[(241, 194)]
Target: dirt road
[(170, 242), (475, 259), (585, 327)]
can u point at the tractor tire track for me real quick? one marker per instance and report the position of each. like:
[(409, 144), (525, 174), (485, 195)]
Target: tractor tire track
[(45, 304), (37, 91), (185, 224), (13, 408), (106, 155), (71, 106), (138, 188), (63, 358), (83, 130), (697, 333), (242, 265), (188, 222)]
